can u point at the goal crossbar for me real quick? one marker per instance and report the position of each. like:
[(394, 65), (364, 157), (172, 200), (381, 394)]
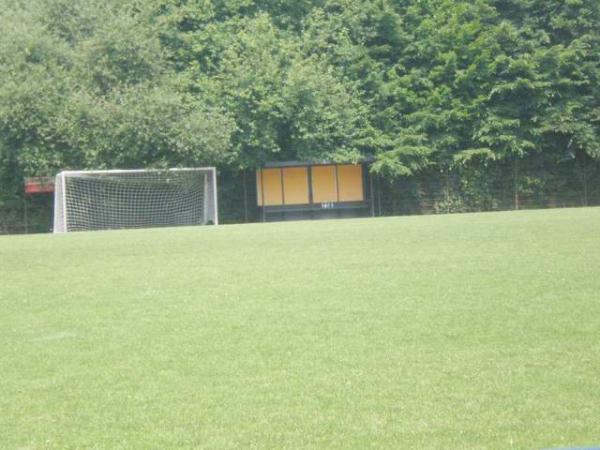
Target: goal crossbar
[(109, 171)]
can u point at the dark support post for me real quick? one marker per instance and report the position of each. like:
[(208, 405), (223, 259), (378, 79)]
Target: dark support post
[(448, 191), (262, 195), (25, 219), (372, 194), (585, 181), (245, 183), (310, 191), (516, 183), (379, 195)]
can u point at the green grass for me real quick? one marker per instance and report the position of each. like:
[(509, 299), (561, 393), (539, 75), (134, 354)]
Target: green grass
[(462, 331)]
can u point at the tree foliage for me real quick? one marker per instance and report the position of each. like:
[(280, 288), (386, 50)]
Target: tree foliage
[(415, 85)]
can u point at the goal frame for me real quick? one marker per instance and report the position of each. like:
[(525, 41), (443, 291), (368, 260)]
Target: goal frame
[(60, 192)]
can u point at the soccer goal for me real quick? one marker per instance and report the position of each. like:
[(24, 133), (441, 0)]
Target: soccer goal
[(115, 199)]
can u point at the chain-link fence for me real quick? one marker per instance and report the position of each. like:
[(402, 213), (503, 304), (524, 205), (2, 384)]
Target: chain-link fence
[(496, 186), (26, 214)]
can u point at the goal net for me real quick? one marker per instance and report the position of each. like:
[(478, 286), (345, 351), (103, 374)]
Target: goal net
[(114, 199)]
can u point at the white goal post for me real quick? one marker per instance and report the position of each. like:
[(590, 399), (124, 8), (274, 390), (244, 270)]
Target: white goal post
[(114, 199)]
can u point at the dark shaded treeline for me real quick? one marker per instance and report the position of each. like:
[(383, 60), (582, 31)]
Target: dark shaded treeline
[(481, 100)]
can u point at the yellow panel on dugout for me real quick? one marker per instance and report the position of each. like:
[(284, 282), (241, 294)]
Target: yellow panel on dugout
[(350, 183), (295, 186), (324, 184), (269, 187)]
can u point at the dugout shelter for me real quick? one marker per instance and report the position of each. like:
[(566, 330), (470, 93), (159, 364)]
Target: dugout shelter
[(295, 190)]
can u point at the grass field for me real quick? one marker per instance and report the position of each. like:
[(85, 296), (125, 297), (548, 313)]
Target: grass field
[(464, 331)]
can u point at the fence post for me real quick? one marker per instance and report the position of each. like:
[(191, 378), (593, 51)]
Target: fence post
[(585, 184), (448, 191), (245, 184), (25, 218), (516, 183), (378, 195)]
